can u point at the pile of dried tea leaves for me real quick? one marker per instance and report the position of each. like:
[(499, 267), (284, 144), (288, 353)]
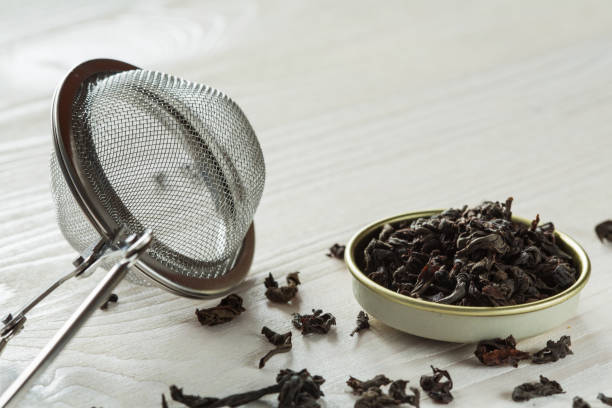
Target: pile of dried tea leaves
[(470, 257)]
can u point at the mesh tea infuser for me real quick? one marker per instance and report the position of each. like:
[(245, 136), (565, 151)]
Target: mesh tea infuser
[(163, 173)]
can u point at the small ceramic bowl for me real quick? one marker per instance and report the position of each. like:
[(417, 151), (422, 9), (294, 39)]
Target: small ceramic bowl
[(461, 324)]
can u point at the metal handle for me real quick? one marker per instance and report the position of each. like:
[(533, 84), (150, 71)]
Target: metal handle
[(84, 266), (69, 329)]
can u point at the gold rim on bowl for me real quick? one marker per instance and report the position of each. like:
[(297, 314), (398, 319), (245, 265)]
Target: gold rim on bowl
[(580, 257)]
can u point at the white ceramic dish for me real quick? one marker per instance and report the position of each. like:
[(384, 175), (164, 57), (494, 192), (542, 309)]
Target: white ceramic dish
[(460, 323)]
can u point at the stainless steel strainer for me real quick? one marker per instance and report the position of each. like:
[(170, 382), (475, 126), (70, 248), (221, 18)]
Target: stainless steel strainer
[(139, 151)]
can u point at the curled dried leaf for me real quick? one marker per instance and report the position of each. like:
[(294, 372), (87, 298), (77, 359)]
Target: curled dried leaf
[(544, 388), (294, 389), (317, 322), (336, 251), (359, 387), (281, 341), (604, 399), (436, 388), (604, 231), (229, 307), (553, 351), (363, 322), (113, 298), (578, 402), (397, 391), (496, 352), (282, 294)]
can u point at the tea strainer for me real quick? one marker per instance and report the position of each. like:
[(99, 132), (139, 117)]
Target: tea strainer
[(164, 172)]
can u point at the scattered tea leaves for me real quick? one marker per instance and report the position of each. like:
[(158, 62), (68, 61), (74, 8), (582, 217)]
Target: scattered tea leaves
[(317, 322), (437, 389), (470, 257), (496, 352), (337, 251), (281, 341), (604, 231), (113, 298), (229, 307), (544, 388), (604, 399), (282, 294), (553, 351), (359, 387), (363, 322), (397, 391), (294, 389), (580, 403)]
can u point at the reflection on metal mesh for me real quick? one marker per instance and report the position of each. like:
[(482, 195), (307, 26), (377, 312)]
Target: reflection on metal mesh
[(167, 154)]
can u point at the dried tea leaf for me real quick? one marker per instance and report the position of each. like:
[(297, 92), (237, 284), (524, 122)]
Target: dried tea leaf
[(281, 341), (282, 294), (229, 307), (397, 391), (544, 388), (437, 389), (470, 257), (375, 398), (363, 322), (359, 387), (294, 389), (113, 298), (553, 351), (496, 352), (336, 251), (164, 402), (580, 403), (604, 231), (604, 399), (317, 322)]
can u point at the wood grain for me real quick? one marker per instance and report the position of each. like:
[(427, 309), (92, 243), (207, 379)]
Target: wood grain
[(364, 110)]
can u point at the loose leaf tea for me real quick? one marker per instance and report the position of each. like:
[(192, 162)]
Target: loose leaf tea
[(470, 257), (359, 387), (363, 322), (580, 403), (553, 351), (282, 294), (604, 231), (317, 322), (294, 389), (397, 391), (496, 352), (336, 251), (227, 310), (375, 398), (113, 298), (281, 341), (437, 389), (164, 402), (604, 399), (544, 388)]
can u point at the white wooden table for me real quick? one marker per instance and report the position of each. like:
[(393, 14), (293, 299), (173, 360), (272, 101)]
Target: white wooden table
[(363, 110)]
